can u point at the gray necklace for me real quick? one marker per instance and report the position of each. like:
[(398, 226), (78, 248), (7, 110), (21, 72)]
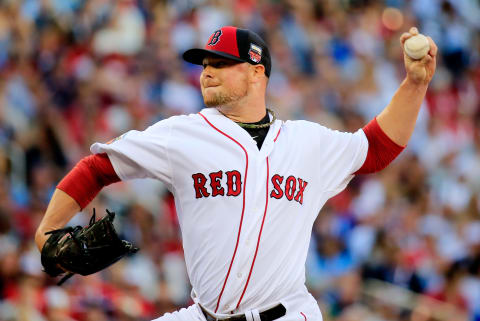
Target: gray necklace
[(246, 125)]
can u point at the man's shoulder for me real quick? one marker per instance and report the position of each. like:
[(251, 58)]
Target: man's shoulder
[(303, 125), (310, 125), (177, 120), (311, 129)]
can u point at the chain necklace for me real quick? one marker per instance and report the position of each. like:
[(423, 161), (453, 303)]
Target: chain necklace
[(247, 125)]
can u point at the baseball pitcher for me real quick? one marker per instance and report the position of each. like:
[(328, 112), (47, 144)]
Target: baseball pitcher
[(247, 186)]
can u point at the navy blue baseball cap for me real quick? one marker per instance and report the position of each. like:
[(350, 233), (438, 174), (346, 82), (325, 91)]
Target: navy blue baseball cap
[(241, 45)]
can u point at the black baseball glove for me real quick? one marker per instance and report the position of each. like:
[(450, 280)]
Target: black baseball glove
[(84, 250)]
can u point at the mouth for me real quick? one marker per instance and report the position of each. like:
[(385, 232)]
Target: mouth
[(210, 86)]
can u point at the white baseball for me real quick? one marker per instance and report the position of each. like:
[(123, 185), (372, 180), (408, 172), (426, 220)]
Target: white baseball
[(417, 47)]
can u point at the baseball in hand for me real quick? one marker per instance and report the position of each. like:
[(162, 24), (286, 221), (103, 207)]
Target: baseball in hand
[(416, 47)]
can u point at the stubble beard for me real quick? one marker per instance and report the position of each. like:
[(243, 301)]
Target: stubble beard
[(224, 99)]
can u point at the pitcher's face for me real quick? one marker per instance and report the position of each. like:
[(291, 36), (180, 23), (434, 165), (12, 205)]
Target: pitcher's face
[(223, 81)]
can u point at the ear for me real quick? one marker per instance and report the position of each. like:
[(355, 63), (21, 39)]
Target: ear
[(257, 72)]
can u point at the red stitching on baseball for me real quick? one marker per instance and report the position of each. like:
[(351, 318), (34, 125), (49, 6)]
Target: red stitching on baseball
[(259, 237), (243, 209), (303, 316)]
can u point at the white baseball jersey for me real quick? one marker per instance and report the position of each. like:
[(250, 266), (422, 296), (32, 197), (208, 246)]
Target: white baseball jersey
[(245, 214)]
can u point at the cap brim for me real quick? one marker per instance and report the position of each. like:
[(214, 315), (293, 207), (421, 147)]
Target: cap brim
[(196, 55)]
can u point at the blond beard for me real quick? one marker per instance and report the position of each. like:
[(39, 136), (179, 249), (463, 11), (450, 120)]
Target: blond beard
[(218, 100), (222, 99)]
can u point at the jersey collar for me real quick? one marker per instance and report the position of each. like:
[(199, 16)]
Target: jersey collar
[(229, 127)]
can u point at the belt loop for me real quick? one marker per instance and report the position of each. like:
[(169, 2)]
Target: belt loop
[(256, 315), (249, 316)]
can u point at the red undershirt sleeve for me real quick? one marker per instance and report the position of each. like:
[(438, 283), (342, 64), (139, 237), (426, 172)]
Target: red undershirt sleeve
[(381, 149), (88, 177)]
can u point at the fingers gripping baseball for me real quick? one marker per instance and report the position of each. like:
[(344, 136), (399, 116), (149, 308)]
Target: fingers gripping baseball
[(421, 67)]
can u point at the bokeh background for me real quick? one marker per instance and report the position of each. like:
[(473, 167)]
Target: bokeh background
[(403, 244)]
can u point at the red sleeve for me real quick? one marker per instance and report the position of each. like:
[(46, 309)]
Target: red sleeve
[(381, 149), (88, 177)]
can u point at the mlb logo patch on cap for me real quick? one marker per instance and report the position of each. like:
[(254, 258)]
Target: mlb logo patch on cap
[(255, 53)]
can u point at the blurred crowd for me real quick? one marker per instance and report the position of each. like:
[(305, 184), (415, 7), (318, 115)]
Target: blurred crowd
[(73, 72)]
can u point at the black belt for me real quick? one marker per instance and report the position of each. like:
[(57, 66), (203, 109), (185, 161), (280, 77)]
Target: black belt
[(267, 315)]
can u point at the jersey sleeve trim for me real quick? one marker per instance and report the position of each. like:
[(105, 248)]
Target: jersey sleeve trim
[(382, 150)]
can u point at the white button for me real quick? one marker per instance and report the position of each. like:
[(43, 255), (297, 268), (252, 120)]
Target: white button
[(239, 275), (227, 307)]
